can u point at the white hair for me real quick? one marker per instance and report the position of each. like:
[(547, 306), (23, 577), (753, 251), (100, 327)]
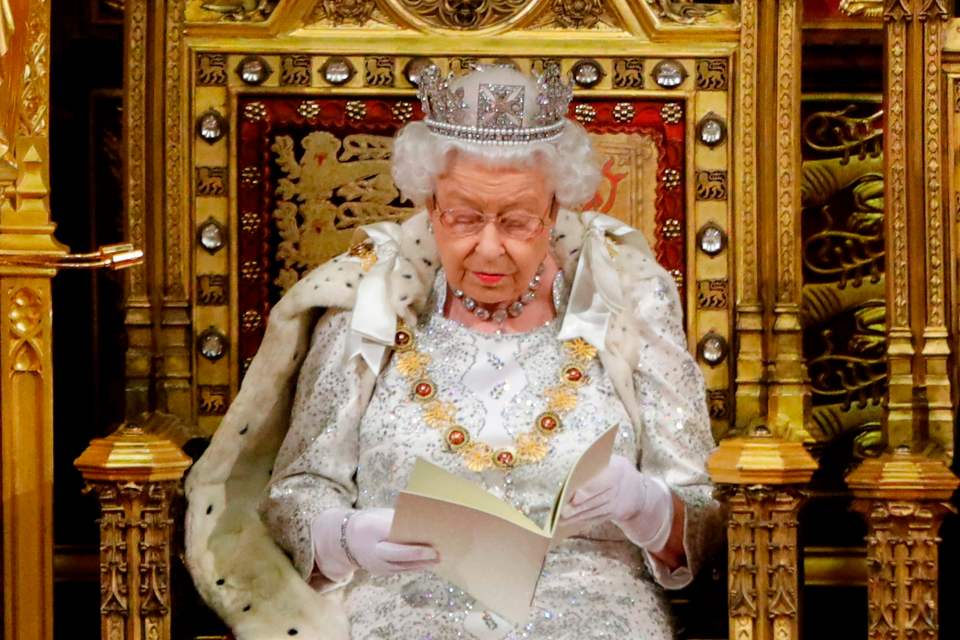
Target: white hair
[(419, 156)]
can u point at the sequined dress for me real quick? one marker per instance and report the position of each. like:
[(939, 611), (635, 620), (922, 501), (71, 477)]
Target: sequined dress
[(596, 585)]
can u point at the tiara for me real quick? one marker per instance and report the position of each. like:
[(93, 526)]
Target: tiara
[(500, 113)]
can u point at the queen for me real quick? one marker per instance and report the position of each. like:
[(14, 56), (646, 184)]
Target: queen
[(496, 333)]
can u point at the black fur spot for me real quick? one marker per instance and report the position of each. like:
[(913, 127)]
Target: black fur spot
[(574, 251), (561, 236), (417, 241), (292, 632), (209, 509), (246, 608), (408, 275), (427, 262), (349, 285), (404, 298), (220, 582), (246, 427)]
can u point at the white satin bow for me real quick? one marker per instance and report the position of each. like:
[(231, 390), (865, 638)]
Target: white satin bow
[(374, 323), (596, 293)]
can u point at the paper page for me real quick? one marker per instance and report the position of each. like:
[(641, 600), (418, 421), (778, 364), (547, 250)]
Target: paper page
[(491, 558), (594, 460), (430, 481)]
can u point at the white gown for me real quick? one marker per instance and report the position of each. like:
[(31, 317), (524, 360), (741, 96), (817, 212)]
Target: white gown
[(597, 585)]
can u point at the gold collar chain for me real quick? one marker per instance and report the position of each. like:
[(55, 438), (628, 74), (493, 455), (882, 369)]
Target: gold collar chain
[(530, 446)]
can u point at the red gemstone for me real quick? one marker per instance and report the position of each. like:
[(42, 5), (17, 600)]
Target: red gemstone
[(548, 423), (505, 458), (456, 438), (402, 338), (424, 390), (574, 374)]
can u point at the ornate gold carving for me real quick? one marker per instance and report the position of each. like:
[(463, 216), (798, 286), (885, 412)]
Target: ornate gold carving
[(295, 70), (134, 108), (356, 110), (747, 249), (174, 286), (211, 181), (711, 185), (839, 132), (135, 473), (343, 11), (577, 14), (213, 289), (464, 14), (26, 327), (759, 478), (402, 110), (231, 10), (788, 151), (312, 228), (680, 11), (213, 400), (718, 401), (903, 497), (712, 294), (712, 74), (211, 69), (862, 8), (585, 113), (672, 112), (378, 71), (628, 73)]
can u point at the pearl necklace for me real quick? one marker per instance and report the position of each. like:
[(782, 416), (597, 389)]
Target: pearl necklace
[(500, 315), (529, 447)]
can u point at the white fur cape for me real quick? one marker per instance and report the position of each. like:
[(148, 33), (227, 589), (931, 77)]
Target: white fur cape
[(236, 565)]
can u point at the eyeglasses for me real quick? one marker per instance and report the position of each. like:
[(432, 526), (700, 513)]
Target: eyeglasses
[(464, 221)]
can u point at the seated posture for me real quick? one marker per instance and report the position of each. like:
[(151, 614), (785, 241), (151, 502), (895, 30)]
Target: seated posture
[(496, 334)]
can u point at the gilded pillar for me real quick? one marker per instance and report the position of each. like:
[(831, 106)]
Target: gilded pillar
[(135, 473), (903, 497), (26, 383), (903, 494), (762, 479), (772, 379), (750, 383)]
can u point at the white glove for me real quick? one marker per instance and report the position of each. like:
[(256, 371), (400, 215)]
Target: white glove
[(364, 538), (641, 505)]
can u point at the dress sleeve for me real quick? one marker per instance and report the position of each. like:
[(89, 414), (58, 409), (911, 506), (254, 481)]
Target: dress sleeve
[(315, 466), (675, 436)]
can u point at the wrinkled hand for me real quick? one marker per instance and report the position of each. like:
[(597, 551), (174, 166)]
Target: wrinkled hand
[(641, 506), (366, 538)]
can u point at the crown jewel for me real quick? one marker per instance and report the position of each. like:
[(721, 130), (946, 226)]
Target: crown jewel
[(495, 104)]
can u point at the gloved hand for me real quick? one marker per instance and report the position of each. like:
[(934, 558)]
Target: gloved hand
[(365, 537), (641, 505)]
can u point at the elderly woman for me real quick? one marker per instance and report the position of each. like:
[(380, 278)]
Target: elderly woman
[(496, 334)]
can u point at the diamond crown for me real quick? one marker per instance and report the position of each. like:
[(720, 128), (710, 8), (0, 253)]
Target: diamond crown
[(495, 104)]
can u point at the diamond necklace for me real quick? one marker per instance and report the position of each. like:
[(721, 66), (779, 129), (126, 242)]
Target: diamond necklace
[(512, 310)]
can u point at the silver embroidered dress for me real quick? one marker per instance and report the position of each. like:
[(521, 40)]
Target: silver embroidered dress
[(596, 585)]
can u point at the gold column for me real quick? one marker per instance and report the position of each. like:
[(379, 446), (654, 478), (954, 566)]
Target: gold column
[(771, 373), (762, 479), (903, 494), (903, 497), (789, 393), (750, 383), (135, 473), (26, 384)]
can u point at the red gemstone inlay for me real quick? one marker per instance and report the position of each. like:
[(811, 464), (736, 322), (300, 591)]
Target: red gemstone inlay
[(548, 423), (402, 338), (424, 389), (456, 438), (505, 458), (574, 374)]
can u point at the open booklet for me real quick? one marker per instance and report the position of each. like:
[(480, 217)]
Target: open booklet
[(487, 547)]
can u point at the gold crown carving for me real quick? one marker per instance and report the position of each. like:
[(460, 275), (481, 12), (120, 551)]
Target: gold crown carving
[(493, 104)]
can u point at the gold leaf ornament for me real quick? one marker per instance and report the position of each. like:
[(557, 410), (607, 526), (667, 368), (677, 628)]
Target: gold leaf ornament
[(412, 364), (439, 414), (561, 399), (531, 447), (477, 456), (580, 349)]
